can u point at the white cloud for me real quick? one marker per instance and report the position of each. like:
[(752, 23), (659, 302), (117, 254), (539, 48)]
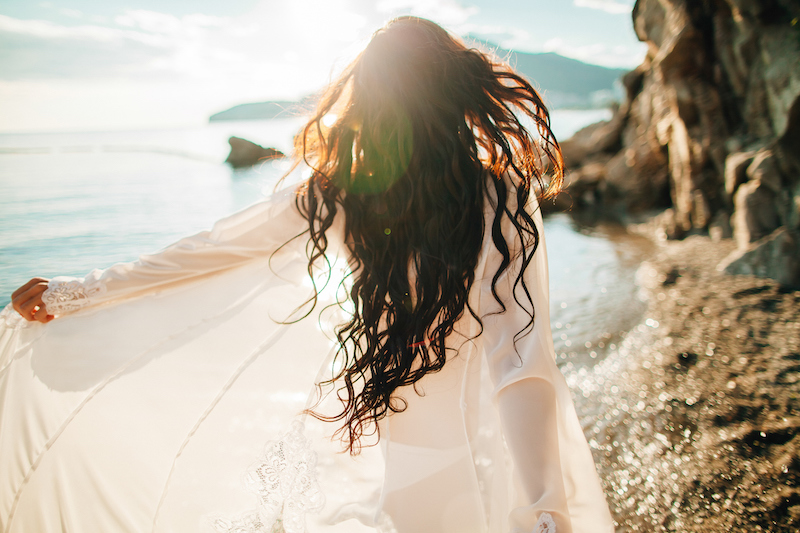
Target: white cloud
[(163, 23), (599, 53), (553, 45), (446, 12), (72, 13), (146, 67), (44, 29), (609, 6), (507, 37), (47, 30)]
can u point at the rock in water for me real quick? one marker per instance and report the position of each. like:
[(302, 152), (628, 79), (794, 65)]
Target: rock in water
[(246, 154)]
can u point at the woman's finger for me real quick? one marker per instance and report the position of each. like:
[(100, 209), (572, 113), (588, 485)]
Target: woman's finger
[(27, 299), (25, 302), (31, 283), (40, 314)]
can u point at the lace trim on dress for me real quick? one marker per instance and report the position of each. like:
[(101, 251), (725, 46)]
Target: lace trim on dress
[(66, 296), (545, 524), (285, 481), (248, 523)]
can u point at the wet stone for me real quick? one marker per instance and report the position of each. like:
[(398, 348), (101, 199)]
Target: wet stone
[(687, 359)]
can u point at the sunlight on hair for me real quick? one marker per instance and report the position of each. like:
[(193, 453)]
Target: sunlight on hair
[(329, 119)]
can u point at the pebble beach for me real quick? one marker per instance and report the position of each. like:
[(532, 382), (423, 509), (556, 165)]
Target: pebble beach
[(698, 410)]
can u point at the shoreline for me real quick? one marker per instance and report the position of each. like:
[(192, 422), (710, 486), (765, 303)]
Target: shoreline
[(693, 419)]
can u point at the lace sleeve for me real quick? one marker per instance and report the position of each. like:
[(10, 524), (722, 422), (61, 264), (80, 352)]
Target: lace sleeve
[(66, 295)]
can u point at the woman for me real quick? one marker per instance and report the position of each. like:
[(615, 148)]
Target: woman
[(398, 297)]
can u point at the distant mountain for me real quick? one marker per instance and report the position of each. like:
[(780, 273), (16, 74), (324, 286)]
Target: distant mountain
[(258, 110), (565, 75), (266, 110), (564, 82)]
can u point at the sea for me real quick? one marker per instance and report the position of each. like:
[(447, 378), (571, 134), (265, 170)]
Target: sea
[(72, 202)]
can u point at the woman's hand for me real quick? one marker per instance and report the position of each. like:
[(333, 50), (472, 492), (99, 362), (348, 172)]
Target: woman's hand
[(27, 301)]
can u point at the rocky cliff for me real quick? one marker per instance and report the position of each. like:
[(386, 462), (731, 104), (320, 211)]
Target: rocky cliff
[(709, 129)]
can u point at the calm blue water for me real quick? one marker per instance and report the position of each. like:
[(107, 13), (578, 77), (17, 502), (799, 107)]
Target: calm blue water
[(71, 202)]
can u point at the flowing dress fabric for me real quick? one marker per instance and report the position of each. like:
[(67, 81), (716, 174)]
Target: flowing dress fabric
[(167, 397)]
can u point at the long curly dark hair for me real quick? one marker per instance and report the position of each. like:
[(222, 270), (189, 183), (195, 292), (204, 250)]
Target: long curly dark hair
[(413, 139)]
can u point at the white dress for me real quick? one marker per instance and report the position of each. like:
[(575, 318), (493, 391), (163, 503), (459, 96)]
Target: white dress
[(167, 397)]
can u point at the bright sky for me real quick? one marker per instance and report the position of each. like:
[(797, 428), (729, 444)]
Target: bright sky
[(83, 65)]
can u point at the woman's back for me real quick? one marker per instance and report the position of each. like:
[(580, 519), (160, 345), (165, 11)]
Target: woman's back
[(423, 133)]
